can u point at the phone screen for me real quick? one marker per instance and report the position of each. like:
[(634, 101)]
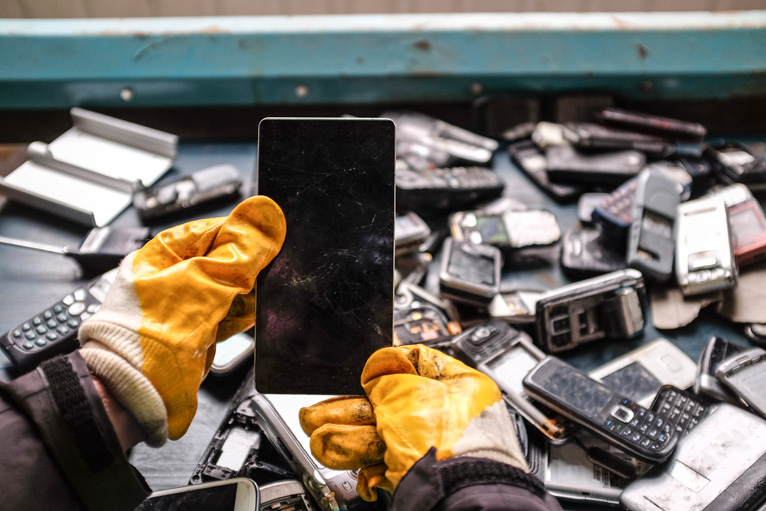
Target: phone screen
[(216, 498), (574, 388), (325, 303)]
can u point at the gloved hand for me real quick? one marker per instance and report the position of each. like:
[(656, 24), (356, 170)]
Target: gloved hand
[(153, 340), (418, 398)]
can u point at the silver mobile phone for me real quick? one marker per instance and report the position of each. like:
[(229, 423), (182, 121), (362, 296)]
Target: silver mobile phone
[(704, 258), (332, 490), (745, 375)]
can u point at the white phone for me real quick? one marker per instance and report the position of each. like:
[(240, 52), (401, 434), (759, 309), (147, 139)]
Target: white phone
[(238, 494), (641, 373)]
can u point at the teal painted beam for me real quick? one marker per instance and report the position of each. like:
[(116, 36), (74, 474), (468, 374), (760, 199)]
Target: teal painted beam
[(375, 59)]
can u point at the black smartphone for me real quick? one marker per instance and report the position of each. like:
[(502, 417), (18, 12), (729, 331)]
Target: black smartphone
[(325, 303), (607, 414)]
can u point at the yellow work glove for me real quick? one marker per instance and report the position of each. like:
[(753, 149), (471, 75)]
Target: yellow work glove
[(153, 339), (418, 398)]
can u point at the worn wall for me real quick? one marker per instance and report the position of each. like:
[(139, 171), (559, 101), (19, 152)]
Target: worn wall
[(141, 8)]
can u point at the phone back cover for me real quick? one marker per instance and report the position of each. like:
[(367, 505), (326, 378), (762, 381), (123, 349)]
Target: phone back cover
[(325, 303), (720, 465)]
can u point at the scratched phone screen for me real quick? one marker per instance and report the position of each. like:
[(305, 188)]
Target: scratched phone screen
[(325, 303)]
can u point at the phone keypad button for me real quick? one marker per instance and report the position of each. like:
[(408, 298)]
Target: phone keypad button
[(72, 323), (79, 294), (653, 433), (26, 327), (17, 333), (37, 320), (41, 329), (28, 345), (62, 318), (30, 335), (41, 342), (48, 314), (645, 442), (51, 336), (68, 300), (76, 309), (58, 308)]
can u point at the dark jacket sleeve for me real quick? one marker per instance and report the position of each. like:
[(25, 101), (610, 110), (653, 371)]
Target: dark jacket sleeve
[(58, 449), (475, 484)]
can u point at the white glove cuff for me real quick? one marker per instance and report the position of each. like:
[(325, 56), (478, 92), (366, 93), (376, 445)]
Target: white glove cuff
[(131, 388), (492, 435)]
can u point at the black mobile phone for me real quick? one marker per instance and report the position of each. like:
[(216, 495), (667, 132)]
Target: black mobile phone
[(219, 182), (470, 273), (610, 306), (680, 408), (587, 253), (506, 355), (610, 416), (53, 331), (565, 164), (652, 237), (325, 303), (594, 137), (653, 124), (445, 188), (528, 157)]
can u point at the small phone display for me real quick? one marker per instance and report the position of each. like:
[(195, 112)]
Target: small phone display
[(325, 302), (609, 415), (515, 306), (470, 273)]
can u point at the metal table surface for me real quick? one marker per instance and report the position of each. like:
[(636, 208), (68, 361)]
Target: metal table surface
[(31, 281)]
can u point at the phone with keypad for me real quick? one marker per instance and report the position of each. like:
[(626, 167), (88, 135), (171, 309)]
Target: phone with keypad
[(679, 408), (607, 414), (53, 331), (444, 189)]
